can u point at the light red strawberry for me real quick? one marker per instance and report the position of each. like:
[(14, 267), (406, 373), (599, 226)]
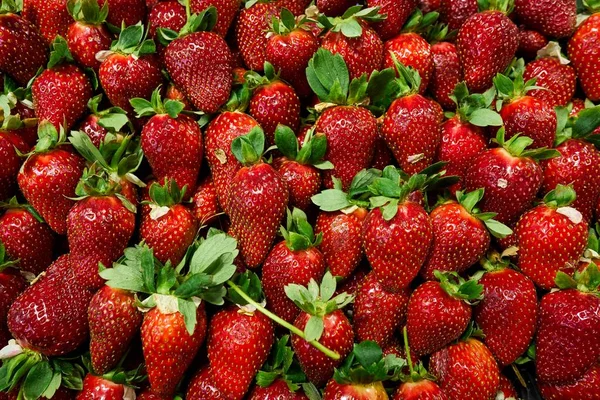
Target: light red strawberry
[(87, 35), (585, 55), (553, 18), (251, 29), (446, 74)]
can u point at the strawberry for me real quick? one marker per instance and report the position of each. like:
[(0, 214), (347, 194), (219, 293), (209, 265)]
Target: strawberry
[(412, 116), (461, 234), (554, 18), (492, 52), (26, 237), (351, 130), (583, 388), (202, 387), (250, 31), (506, 388), (128, 12), (333, 8), (23, 49), (49, 176), (273, 102), (466, 370), (11, 285), (166, 14), (297, 7), (171, 141), (294, 260), (226, 10), (397, 13), (167, 226), (522, 114), (61, 93), (377, 312), (112, 386), (454, 13), (300, 167), (510, 176), (205, 204), (130, 68), (87, 35), (289, 49), (508, 312), (446, 74), (563, 351), (351, 37), (551, 237), (584, 55), (278, 388), (10, 143), (530, 42), (51, 17), (329, 326), (99, 124), (109, 341), (258, 198), (207, 84)]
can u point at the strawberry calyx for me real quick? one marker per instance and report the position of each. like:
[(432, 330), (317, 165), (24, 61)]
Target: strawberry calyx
[(493, 261), (132, 41), (112, 119), (474, 108), (202, 22), (156, 106), (48, 138), (60, 53), (250, 3), (11, 95), (504, 6), (422, 23), (286, 23), (255, 80), (13, 204), (5, 261), (470, 200), (238, 100), (357, 196), (97, 183), (88, 11), (349, 24), (312, 151), (164, 197), (510, 88), (249, 148), (472, 331), (586, 281), (406, 82), (281, 365), (580, 126), (553, 50), (456, 286), (560, 196), (119, 375), (366, 364), (298, 232), (417, 372), (592, 6), (592, 251), (11, 7), (438, 32), (517, 145)]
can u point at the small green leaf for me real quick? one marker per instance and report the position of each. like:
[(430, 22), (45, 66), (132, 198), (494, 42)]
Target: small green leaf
[(485, 117), (328, 286), (331, 200), (286, 141), (188, 309), (314, 328), (367, 353), (37, 381)]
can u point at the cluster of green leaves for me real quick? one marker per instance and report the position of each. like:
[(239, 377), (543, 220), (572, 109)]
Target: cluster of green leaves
[(59, 52), (285, 22), (298, 232), (518, 145), (156, 106), (456, 286), (366, 364), (312, 151), (422, 23), (166, 195), (11, 6), (581, 126), (204, 21), (475, 108), (88, 11), (133, 41), (560, 196), (281, 365), (249, 148), (11, 94), (349, 23), (49, 137), (113, 119), (586, 281), (470, 200), (249, 283), (357, 195), (509, 88)]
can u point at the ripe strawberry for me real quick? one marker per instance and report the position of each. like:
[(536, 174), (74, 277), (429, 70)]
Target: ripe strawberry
[(166, 14), (583, 388), (171, 141), (205, 204), (297, 7), (585, 56), (567, 326), (112, 386), (530, 42), (61, 93), (99, 124), (49, 176), (109, 341), (51, 17), (87, 35), (508, 312), (200, 63), (506, 388), (11, 285), (128, 12), (360, 46), (250, 31), (510, 176), (167, 226), (26, 237), (50, 316), (461, 234), (377, 312), (333, 8), (203, 387), (279, 389), (289, 49), (466, 370), (294, 260), (23, 49), (454, 13), (492, 52), (258, 198), (10, 143), (554, 18), (412, 116), (397, 13), (333, 329), (551, 237), (446, 74), (130, 69), (226, 11)]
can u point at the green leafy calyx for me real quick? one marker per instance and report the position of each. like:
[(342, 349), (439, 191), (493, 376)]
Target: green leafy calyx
[(357, 196), (133, 41), (156, 106), (281, 365), (475, 108), (456, 286), (298, 232), (366, 364), (249, 148), (312, 151), (88, 11)]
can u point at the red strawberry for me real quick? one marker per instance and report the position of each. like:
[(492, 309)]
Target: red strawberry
[(205, 202), (108, 387), (258, 198), (11, 285), (584, 388), (167, 226), (26, 237), (87, 35), (100, 123), (226, 11), (10, 142), (279, 390), (22, 49), (396, 11), (333, 8), (530, 42), (492, 52), (49, 176), (360, 47), (508, 313), (51, 17), (554, 18), (109, 341), (568, 326), (551, 237), (166, 14), (128, 12), (200, 63), (378, 312), (446, 74), (466, 370), (585, 55), (454, 13), (334, 330), (203, 387), (506, 388), (130, 69), (297, 7), (294, 260), (557, 78), (250, 32)]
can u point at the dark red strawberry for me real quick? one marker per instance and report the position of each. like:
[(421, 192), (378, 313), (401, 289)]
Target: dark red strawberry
[(333, 8), (226, 11), (87, 35), (51, 17), (553, 18), (446, 74), (583, 388), (454, 13), (205, 204), (530, 42), (128, 12), (10, 143), (99, 124), (115, 385), (166, 14), (203, 387), (251, 29), (584, 55), (396, 11), (11, 285)]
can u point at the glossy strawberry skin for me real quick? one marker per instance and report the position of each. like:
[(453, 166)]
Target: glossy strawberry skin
[(456, 12), (351, 133), (411, 129), (466, 370), (548, 242), (559, 80), (51, 17), (507, 314), (85, 41), (238, 345), (413, 51), (568, 327), (93, 129), (11, 285), (396, 249), (21, 61), (553, 18), (277, 390), (165, 14), (333, 8), (274, 104), (446, 73), (337, 336), (495, 46), (114, 320), (203, 387), (205, 204), (283, 267), (356, 391), (304, 181), (11, 162), (422, 390), (95, 387), (47, 180), (507, 388), (168, 347), (530, 117), (397, 12), (226, 10), (530, 42), (250, 33), (377, 312), (585, 55), (584, 388), (129, 12)]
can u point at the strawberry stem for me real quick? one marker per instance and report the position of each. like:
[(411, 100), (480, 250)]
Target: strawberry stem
[(329, 353), (407, 349)]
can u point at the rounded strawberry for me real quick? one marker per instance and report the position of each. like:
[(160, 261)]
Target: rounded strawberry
[(554, 18), (166, 14), (333, 8), (583, 388), (250, 31), (51, 17), (205, 204), (585, 55), (202, 387), (87, 35), (128, 12), (530, 42), (12, 284), (99, 124), (397, 13)]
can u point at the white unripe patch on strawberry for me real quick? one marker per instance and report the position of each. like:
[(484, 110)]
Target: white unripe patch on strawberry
[(157, 211), (103, 55), (415, 158), (502, 183), (221, 156), (128, 393), (250, 309), (552, 49), (510, 251), (349, 210), (571, 213), (12, 349)]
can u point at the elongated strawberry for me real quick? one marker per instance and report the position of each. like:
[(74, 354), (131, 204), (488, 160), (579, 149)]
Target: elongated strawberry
[(397, 13), (583, 388), (130, 68), (87, 35), (128, 12), (250, 31), (542, 251), (508, 312), (11, 285), (205, 204), (446, 74), (584, 55), (51, 17), (203, 387), (554, 18)]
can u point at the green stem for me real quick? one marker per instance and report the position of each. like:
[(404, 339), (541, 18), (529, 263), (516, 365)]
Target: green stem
[(329, 353), (407, 348), (114, 162), (188, 11)]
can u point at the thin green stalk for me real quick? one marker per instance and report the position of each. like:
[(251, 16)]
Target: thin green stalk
[(407, 348), (329, 353)]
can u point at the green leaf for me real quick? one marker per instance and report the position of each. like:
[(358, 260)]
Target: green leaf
[(328, 286), (331, 200), (174, 108), (188, 309), (286, 141), (564, 281), (390, 210), (167, 278), (586, 122), (485, 117), (37, 381), (367, 353), (211, 250), (498, 229), (351, 28), (314, 328), (114, 122)]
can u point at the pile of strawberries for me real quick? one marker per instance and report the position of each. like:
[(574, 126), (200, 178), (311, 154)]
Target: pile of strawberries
[(296, 199)]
